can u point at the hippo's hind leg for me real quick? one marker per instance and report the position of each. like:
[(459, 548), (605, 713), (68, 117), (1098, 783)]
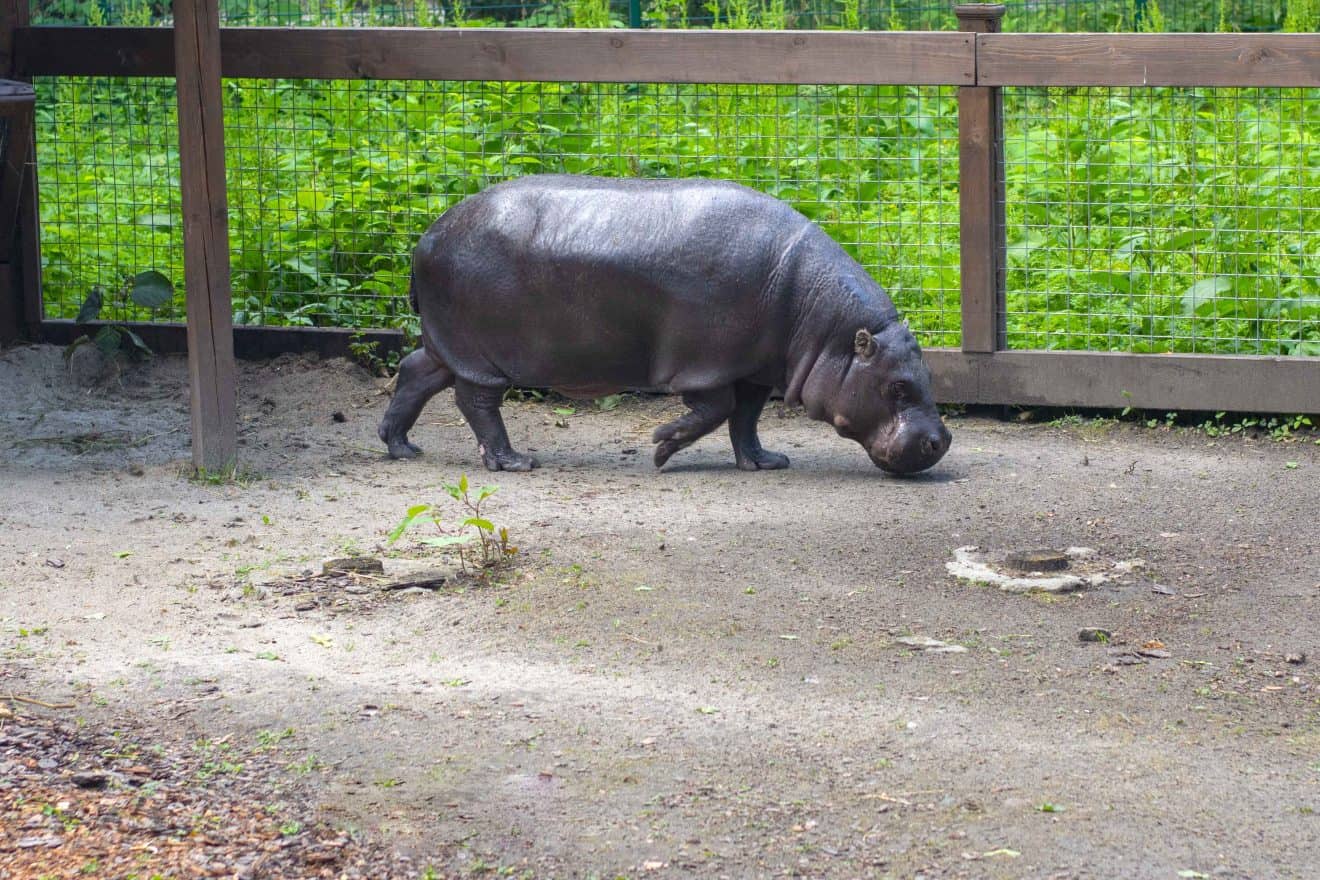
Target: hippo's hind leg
[(421, 377), (747, 450), (707, 411), (480, 405)]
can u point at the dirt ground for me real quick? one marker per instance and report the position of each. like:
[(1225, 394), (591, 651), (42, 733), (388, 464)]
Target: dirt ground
[(693, 672)]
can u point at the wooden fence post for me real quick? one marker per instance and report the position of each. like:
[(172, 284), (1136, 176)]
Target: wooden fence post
[(20, 256), (205, 234), (981, 198)]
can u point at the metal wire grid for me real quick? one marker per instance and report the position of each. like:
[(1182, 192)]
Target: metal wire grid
[(1022, 15), (108, 172), (331, 183), (1161, 219)]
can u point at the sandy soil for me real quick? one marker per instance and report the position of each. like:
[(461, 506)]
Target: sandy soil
[(691, 672)]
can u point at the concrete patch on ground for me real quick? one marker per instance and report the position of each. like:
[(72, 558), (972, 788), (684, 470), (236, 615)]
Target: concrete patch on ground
[(1086, 569)]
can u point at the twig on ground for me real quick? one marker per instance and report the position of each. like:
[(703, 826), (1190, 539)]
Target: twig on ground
[(17, 698)]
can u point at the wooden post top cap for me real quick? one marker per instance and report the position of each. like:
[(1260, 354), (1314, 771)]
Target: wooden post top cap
[(14, 92)]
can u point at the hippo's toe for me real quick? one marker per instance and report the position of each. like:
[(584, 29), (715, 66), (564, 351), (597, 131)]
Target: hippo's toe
[(763, 460), (508, 461)]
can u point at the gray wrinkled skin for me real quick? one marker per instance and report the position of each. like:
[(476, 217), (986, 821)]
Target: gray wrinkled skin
[(701, 288)]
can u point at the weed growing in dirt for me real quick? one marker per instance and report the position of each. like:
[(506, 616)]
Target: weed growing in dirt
[(230, 476), (491, 547), (367, 354), (150, 290)]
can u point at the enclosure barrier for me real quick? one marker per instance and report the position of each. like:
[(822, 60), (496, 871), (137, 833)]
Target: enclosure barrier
[(979, 61)]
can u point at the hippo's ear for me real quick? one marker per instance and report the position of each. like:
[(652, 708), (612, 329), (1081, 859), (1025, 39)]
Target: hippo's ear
[(864, 343)]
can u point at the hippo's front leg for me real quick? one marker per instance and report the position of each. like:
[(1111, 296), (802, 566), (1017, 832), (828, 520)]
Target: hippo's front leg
[(747, 449), (707, 411), (480, 405)]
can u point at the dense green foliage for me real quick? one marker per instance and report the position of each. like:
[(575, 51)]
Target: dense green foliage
[(1022, 15), (1151, 220)]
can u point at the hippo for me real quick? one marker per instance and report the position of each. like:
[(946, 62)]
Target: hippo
[(704, 288)]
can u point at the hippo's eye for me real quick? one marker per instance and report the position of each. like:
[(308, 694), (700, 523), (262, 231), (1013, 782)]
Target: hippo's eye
[(900, 391)]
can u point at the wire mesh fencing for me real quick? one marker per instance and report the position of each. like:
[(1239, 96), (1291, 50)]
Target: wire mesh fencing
[(1022, 15), (331, 183), (108, 175), (1161, 219)]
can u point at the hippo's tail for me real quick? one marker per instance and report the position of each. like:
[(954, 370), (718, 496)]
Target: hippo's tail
[(412, 291)]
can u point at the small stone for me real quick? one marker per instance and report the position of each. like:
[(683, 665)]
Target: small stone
[(48, 764), (929, 646), (338, 416), (33, 842), (136, 470), (1094, 634), (89, 779), (1297, 659), (353, 564)]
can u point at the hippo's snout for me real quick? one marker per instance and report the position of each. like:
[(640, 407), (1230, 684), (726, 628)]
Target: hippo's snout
[(912, 449), (934, 444)]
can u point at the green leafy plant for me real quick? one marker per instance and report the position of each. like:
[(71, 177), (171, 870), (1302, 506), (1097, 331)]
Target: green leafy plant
[(149, 290), (481, 545)]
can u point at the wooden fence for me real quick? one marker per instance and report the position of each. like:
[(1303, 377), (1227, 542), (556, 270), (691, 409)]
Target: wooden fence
[(978, 59)]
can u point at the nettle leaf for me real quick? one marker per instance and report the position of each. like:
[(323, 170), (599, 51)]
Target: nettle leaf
[(91, 307), (416, 513), (108, 339), (140, 347), (1203, 292), (1117, 282), (446, 540), (151, 289)]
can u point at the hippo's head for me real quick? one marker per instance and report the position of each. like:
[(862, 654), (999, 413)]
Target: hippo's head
[(884, 402)]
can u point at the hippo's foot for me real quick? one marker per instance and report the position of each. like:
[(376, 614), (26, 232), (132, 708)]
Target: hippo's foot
[(707, 410), (508, 460), (397, 441), (403, 449), (665, 450), (762, 460)]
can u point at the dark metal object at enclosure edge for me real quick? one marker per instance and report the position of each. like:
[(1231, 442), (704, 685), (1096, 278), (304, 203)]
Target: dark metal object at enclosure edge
[(1037, 560), (696, 287)]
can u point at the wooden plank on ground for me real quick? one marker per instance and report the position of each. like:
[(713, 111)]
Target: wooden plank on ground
[(1114, 380), (205, 235), (514, 54), (1148, 60)]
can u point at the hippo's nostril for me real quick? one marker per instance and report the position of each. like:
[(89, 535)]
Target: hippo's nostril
[(935, 443)]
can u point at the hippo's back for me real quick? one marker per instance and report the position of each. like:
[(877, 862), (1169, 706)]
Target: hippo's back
[(568, 281)]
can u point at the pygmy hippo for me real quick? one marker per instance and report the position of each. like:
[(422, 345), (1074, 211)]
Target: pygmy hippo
[(702, 288)]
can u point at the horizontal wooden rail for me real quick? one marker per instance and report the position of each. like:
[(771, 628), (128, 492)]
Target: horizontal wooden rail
[(1103, 380), (1148, 60), (1114, 380), (517, 55), (250, 343)]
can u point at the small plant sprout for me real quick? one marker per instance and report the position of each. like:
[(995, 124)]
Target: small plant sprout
[(149, 290), (481, 545)]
